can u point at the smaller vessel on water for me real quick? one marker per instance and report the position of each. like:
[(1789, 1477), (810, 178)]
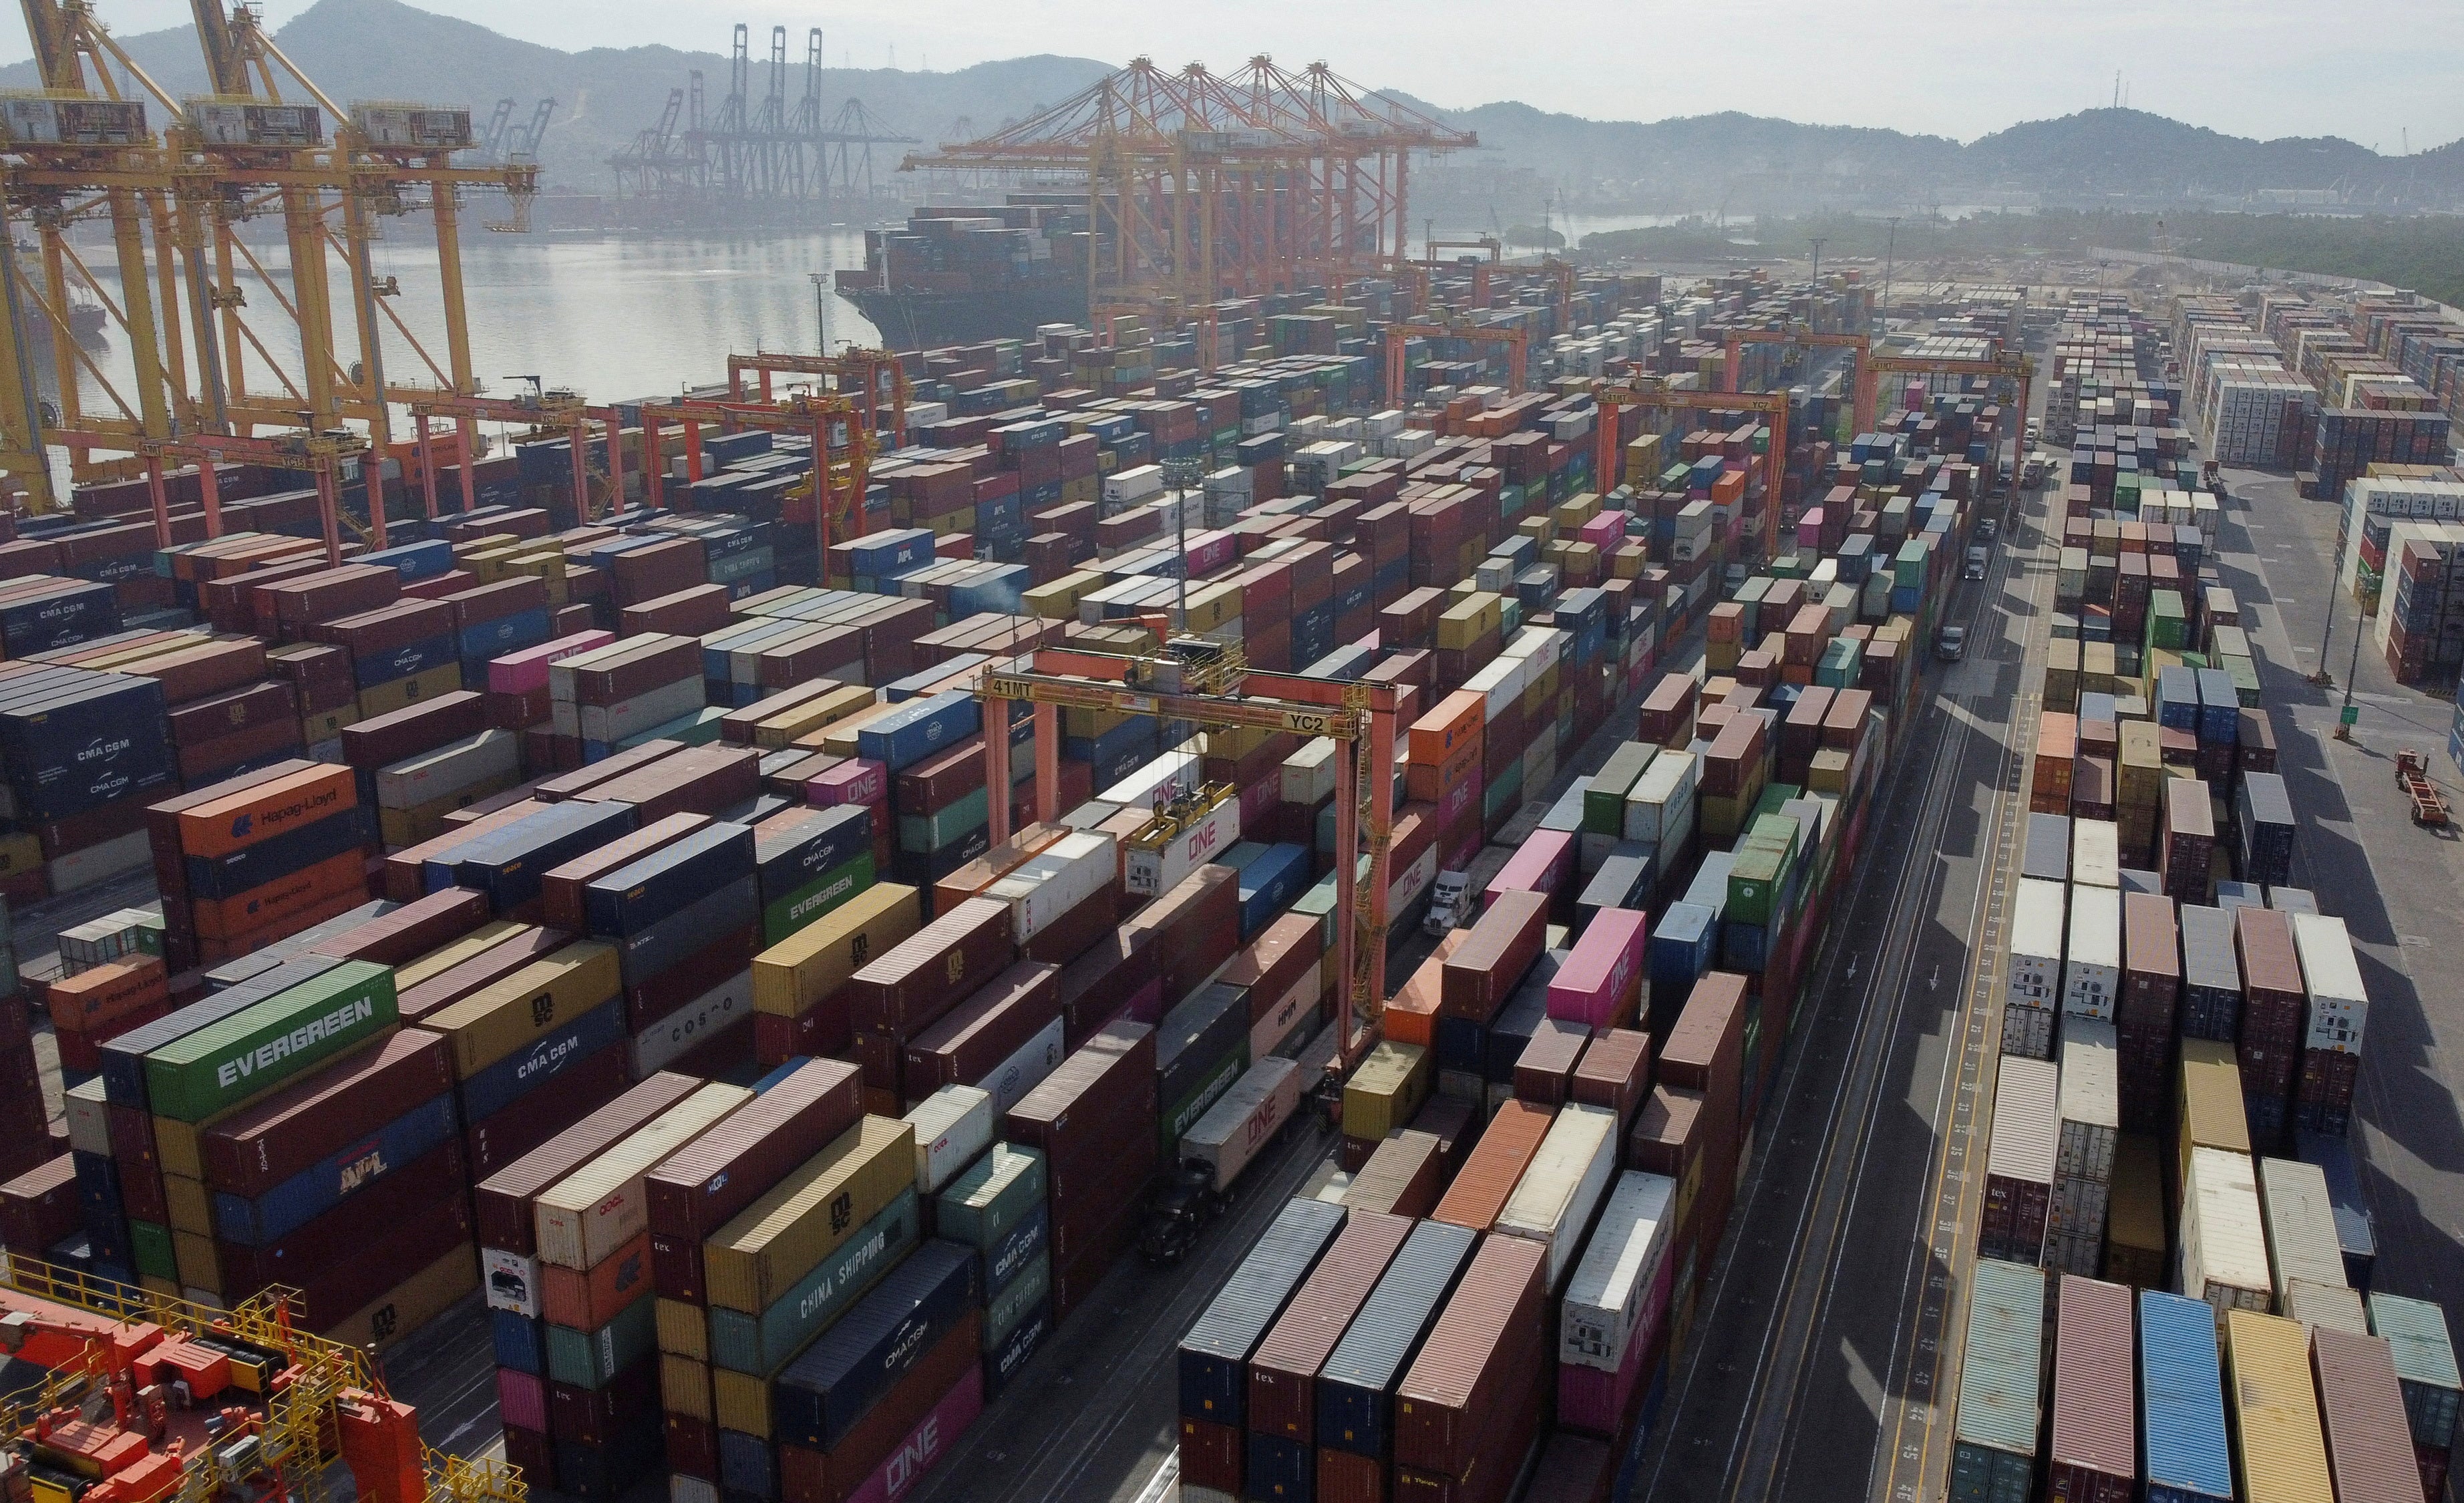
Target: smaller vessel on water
[(960, 272)]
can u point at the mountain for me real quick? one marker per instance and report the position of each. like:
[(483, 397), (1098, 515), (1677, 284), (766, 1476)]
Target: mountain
[(1530, 159)]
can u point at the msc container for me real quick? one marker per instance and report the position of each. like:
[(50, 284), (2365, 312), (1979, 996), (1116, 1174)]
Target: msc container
[(1355, 1387), (2095, 1453), (1400, 1178), (2224, 1244), (2300, 1225), (1483, 1360), (2425, 1365), (699, 1187), (1283, 1370), (1620, 1289), (2369, 1449), (2210, 975), (2019, 1163), (1214, 1357), (2181, 1394), (1488, 1177), (2332, 979), (818, 1398), (2280, 1451), (249, 1053), (1994, 1432), (2092, 956), (1553, 1202), (1244, 1119)]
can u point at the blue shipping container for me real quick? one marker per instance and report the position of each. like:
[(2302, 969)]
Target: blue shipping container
[(1355, 1387), (312, 1190), (2182, 1402), (1214, 1358), (634, 896), (919, 728), (820, 1395), (517, 1075)]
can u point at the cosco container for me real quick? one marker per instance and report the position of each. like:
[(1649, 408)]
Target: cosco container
[(1995, 1429), (1214, 1357), (2281, 1452), (2182, 1405)]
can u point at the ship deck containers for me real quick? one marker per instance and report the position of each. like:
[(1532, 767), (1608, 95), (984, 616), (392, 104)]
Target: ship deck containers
[(1282, 1402), (1469, 1406), (1610, 1319), (1215, 1355), (1995, 1431)]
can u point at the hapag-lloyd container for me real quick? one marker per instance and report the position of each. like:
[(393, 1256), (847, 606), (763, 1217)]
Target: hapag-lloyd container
[(2094, 1456), (1214, 1358), (600, 1206), (1283, 1369), (2182, 1409), (1601, 980), (1552, 1202)]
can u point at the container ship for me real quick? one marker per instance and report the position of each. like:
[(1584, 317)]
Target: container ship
[(963, 273)]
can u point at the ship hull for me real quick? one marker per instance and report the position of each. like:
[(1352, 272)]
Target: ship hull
[(926, 320)]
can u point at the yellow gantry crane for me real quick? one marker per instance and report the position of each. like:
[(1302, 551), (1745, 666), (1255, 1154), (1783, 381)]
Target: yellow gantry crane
[(265, 142)]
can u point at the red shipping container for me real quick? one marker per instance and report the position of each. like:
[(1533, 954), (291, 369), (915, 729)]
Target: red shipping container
[(2095, 1454)]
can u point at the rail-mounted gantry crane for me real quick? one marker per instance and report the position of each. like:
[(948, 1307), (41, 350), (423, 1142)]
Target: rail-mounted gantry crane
[(1648, 394)]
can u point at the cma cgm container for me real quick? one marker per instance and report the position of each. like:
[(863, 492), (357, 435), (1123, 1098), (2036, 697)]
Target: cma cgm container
[(1215, 1355), (2281, 1453), (2094, 1456), (2182, 1405), (2224, 1245), (1993, 1437)]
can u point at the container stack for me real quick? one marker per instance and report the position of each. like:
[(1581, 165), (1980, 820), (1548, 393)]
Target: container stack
[(2083, 1161), (1214, 1357), (682, 924)]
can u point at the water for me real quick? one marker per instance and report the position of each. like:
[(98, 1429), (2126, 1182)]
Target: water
[(614, 319)]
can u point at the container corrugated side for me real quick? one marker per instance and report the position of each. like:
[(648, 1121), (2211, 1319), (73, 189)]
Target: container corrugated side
[(1214, 1355), (2091, 1099), (1488, 1178), (2300, 1223), (1552, 1202), (1355, 1385), (1283, 1370), (2181, 1388), (1484, 1350), (2369, 1446), (2329, 1305), (2224, 1238), (1604, 1308), (2282, 1451), (599, 1206), (2027, 1120), (2425, 1364), (2094, 1431), (1995, 1429)]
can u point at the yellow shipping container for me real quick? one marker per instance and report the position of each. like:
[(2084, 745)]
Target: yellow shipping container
[(684, 1330), (807, 1216), (189, 1205), (403, 693), (813, 715), (1386, 1091), (1212, 606), (2211, 1110), (199, 1267), (684, 1387), (512, 1013), (1465, 623), (803, 971), (444, 956), (1575, 510), (838, 737), (2278, 1448), (1059, 600)]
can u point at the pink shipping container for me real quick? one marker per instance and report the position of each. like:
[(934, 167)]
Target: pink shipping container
[(1601, 980), (522, 1398), (854, 780), (927, 1443), (1540, 865), (2096, 1415), (1591, 1401), (519, 672)]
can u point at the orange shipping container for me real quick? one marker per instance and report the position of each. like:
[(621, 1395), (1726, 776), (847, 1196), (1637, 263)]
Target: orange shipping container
[(1452, 725), (1496, 1165), (266, 811), (1412, 1013), (94, 998), (261, 908), (586, 1301)]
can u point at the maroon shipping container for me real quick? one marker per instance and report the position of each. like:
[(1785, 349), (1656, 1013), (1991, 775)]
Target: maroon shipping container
[(561, 888), (699, 780), (362, 1269), (329, 1244), (203, 720), (1484, 970), (692, 1447), (1211, 1455), (580, 780), (832, 1476), (1071, 935), (2152, 961), (1705, 1046), (1283, 1371), (1401, 1176), (1452, 1121), (972, 1039), (636, 666), (1093, 1118), (412, 930), (925, 975), (485, 969), (503, 1200), (1196, 926), (39, 1207), (2369, 1444), (2273, 996), (1279, 958), (2096, 1415), (1480, 1361), (694, 1190), (535, 1116), (371, 634), (302, 1122), (1573, 1469), (594, 1417), (1346, 1476), (1614, 1072), (1668, 1138), (535, 1454), (1544, 1072)]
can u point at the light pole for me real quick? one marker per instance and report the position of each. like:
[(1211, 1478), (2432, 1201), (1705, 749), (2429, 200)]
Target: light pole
[(2346, 717), (2323, 678), (1891, 249), (821, 281), (1816, 242)]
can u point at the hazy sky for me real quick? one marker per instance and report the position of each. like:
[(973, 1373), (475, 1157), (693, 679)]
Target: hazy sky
[(2367, 70)]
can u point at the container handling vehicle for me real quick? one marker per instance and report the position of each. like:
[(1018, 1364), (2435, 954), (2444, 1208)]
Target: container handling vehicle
[(1219, 1148)]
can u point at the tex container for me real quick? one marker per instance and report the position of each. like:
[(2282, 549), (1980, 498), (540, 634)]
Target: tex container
[(2369, 1449), (2095, 1454), (2280, 1450), (1994, 1433), (600, 1206), (1283, 1370), (2182, 1408), (819, 1396), (1214, 1355), (1553, 1202), (2425, 1365), (218, 1067), (1355, 1387)]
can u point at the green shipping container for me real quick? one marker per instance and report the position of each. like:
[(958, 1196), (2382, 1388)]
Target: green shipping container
[(1019, 1299), (1181, 1116), (805, 904), (1841, 661), (150, 1244), (1993, 1438), (996, 1193), (923, 833), (1604, 799), (762, 1344), (258, 1048), (592, 1359), (1753, 885)]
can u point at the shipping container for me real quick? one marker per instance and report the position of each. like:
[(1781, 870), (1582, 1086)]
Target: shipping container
[(1563, 1186), (2300, 1225), (2280, 1450), (2425, 1365), (1355, 1387), (2092, 956), (2020, 1159), (1214, 1357), (820, 1397), (1488, 1177), (1619, 1291), (698, 1189), (798, 1223), (2370, 1449), (1996, 1428), (2224, 1244), (1484, 1357), (600, 1206), (2095, 1454), (2182, 1409), (1283, 1370), (2332, 977)]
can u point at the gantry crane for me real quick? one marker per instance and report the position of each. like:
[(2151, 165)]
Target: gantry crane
[(1418, 272), (1615, 395), (875, 373), (550, 408), (842, 450), (2015, 368), (1860, 348), (1214, 687), (1203, 186), (1516, 339)]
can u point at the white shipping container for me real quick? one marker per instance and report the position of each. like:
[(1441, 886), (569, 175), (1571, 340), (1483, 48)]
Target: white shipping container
[(2302, 1241), (1127, 486), (1180, 770), (2028, 1033), (449, 770), (1150, 874), (1308, 773), (1290, 1011), (591, 1212), (1502, 682), (611, 723), (513, 1282), (953, 1125), (1057, 880), (2036, 918), (2223, 1251), (1025, 1069), (2027, 1136), (2339, 1006), (2091, 1102), (1553, 1202), (2092, 961), (89, 1119), (2096, 853), (1622, 1274), (2329, 1305), (1662, 798), (1245, 1120), (1541, 647)]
